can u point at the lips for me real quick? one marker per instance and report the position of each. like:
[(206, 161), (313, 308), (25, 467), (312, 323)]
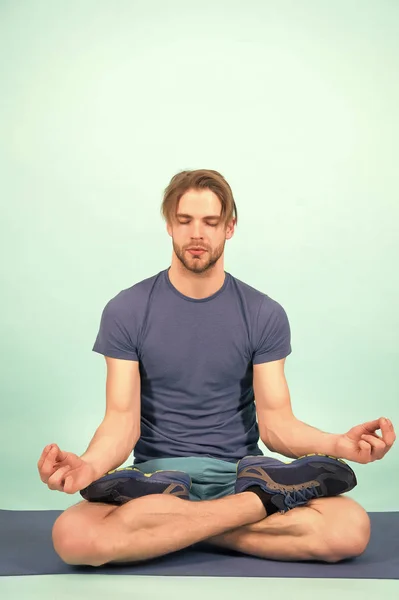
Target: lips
[(196, 252)]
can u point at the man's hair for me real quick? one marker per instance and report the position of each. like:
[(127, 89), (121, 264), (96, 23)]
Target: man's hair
[(198, 180)]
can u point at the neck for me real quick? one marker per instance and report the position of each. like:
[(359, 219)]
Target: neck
[(196, 285)]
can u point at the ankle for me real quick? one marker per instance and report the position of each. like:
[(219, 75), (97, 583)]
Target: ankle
[(256, 502), (268, 500)]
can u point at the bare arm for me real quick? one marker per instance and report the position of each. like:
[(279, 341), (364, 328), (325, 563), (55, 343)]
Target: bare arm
[(119, 431), (279, 429)]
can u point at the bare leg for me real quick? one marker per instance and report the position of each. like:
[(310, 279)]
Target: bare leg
[(164, 524), (147, 527), (327, 529)]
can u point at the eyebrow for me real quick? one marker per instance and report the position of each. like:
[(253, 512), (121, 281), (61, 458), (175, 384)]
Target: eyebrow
[(189, 216)]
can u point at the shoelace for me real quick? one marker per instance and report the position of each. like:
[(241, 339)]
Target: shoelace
[(292, 499)]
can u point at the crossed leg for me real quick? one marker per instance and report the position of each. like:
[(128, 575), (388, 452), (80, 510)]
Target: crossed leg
[(327, 529)]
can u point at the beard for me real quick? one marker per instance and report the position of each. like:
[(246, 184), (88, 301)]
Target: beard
[(200, 263)]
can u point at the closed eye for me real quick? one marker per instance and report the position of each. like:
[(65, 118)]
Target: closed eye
[(210, 225)]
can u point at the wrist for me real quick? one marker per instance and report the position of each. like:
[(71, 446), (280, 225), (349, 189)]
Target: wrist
[(93, 465), (338, 449), (102, 464)]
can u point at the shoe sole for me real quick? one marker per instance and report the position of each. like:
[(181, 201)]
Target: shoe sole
[(168, 475), (289, 462), (112, 493), (273, 487)]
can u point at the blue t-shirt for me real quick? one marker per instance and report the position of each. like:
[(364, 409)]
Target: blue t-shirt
[(196, 362)]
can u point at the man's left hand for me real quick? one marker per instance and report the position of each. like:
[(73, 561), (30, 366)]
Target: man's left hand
[(361, 444)]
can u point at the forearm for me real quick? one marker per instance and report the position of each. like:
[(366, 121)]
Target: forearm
[(293, 438), (112, 443)]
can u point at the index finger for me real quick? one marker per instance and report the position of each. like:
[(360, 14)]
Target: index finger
[(58, 456), (44, 454), (61, 455), (372, 426), (388, 433)]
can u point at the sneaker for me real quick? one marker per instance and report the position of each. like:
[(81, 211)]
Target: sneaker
[(295, 483), (126, 483)]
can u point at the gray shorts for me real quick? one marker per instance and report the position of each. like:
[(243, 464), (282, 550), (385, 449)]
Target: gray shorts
[(211, 478)]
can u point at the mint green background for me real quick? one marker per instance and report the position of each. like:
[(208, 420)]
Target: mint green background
[(102, 102)]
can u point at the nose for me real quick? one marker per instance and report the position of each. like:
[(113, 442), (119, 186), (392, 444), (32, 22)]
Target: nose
[(196, 232), (196, 235)]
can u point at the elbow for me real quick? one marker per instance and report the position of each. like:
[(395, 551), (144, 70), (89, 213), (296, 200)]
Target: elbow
[(277, 431), (266, 441), (136, 438), (136, 433), (265, 437)]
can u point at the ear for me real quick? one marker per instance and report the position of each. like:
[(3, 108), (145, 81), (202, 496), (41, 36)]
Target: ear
[(230, 229)]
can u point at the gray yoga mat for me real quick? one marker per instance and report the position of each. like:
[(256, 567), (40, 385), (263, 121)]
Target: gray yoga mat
[(26, 549)]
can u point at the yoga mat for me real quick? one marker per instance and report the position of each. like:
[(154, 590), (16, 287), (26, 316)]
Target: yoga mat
[(26, 549)]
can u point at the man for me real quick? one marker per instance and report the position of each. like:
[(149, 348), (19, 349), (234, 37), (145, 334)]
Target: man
[(193, 356)]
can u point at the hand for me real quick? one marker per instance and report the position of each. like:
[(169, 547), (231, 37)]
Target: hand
[(362, 445), (64, 471)]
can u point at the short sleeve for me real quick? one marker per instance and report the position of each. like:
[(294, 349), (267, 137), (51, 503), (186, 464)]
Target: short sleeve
[(114, 336), (273, 333)]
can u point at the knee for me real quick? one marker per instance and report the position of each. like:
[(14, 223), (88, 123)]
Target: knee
[(75, 542), (347, 530)]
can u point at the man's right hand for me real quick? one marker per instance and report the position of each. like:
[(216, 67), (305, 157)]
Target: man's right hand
[(64, 471)]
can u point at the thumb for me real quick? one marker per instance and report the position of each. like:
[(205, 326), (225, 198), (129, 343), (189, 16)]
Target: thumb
[(69, 484), (76, 480), (72, 483)]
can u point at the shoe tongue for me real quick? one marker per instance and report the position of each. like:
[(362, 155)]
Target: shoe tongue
[(278, 500)]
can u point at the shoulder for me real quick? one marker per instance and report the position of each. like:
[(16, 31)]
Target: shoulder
[(260, 303), (133, 298)]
